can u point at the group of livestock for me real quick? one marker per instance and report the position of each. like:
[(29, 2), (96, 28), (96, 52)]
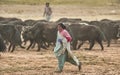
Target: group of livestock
[(15, 32)]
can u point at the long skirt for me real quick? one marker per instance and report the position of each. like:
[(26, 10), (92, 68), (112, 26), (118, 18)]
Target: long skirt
[(66, 57)]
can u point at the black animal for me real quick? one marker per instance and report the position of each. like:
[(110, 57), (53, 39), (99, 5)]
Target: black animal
[(2, 45), (11, 34), (44, 34), (69, 20), (109, 28), (34, 35), (85, 33)]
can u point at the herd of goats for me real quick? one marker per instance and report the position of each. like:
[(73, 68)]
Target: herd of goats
[(15, 32)]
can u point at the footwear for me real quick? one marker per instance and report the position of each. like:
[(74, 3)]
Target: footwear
[(79, 66), (58, 71)]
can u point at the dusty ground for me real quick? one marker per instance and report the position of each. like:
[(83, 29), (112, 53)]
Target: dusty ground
[(73, 11), (95, 62)]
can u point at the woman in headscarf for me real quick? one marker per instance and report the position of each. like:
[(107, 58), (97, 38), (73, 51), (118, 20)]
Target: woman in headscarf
[(62, 49)]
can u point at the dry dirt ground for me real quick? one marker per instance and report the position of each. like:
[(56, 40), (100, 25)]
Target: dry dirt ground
[(73, 11), (94, 62)]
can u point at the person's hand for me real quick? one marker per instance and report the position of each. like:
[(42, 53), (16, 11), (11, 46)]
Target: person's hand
[(60, 40), (61, 52), (69, 39)]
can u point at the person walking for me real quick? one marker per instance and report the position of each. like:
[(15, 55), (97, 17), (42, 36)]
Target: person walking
[(47, 11), (62, 49)]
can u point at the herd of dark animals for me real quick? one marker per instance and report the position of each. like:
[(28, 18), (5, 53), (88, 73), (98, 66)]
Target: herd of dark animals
[(44, 33)]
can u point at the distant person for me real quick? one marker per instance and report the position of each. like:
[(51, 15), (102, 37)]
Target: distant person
[(47, 11), (62, 49)]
